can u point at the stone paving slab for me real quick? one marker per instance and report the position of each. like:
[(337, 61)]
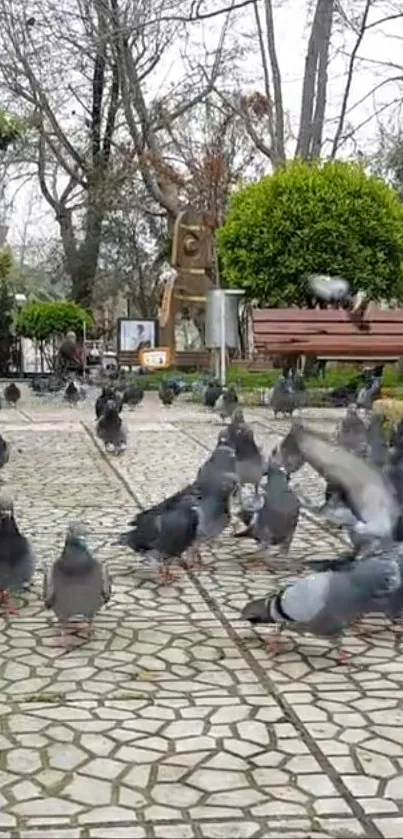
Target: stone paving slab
[(174, 721)]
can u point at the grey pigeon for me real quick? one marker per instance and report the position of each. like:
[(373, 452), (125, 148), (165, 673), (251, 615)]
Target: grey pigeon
[(108, 393), (352, 433), (372, 506), (72, 394), (222, 460), (283, 399), (276, 520), (4, 452), (17, 562), (213, 512), (164, 537), (110, 428), (12, 394), (250, 465), (211, 393), (377, 446), (287, 454), (76, 585), (371, 391), (227, 403), (166, 394), (327, 602), (133, 394), (329, 289)]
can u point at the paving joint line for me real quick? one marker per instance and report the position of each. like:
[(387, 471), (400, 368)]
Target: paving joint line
[(370, 828)]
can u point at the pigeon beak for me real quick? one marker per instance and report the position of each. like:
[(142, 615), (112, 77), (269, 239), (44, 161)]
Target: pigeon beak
[(258, 611)]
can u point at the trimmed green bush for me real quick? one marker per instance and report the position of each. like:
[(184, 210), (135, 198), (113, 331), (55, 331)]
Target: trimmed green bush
[(317, 217), (41, 321)]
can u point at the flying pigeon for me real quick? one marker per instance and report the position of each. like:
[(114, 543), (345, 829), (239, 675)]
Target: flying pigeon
[(76, 585), (110, 428), (329, 289), (326, 602), (17, 562), (12, 394), (373, 507)]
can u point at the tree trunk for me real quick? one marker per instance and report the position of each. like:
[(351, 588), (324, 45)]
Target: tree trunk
[(82, 259)]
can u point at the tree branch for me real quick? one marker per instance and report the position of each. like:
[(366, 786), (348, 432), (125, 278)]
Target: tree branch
[(266, 78), (277, 83), (349, 80)]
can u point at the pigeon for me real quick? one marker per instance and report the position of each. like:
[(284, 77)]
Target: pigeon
[(76, 585), (373, 510), (4, 452), (222, 460), (377, 446), (214, 513), (211, 393), (164, 537), (72, 394), (249, 461), (12, 394), (372, 389), (287, 453), (329, 289), (352, 433), (132, 395), (227, 403), (338, 291), (341, 397), (283, 399), (166, 394), (17, 561), (325, 603), (107, 394), (276, 520), (110, 428)]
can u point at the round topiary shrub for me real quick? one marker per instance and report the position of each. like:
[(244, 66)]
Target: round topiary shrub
[(306, 218)]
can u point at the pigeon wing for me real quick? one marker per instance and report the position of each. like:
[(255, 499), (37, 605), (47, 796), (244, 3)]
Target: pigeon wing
[(370, 498)]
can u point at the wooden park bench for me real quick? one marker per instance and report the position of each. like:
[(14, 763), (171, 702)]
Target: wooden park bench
[(328, 334)]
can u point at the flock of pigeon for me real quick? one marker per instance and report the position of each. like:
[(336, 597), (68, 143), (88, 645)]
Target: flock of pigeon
[(363, 471)]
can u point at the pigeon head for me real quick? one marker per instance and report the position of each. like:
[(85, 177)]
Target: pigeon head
[(238, 417), (258, 611), (77, 530)]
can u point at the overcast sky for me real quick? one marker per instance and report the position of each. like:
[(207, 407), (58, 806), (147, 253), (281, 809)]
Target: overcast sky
[(382, 45)]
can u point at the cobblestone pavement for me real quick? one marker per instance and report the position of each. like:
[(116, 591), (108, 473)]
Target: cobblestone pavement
[(174, 721)]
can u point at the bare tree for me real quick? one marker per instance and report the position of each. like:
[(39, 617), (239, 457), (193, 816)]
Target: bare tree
[(264, 110), (57, 67), (210, 152), (134, 247), (147, 121)]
